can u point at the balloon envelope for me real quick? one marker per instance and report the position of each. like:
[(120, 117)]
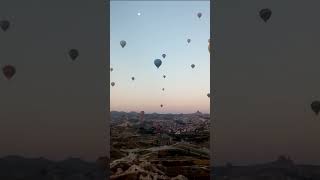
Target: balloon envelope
[(192, 65), (188, 40), (164, 76), (111, 69), (132, 78), (112, 84), (164, 56), (4, 24), (73, 53), (123, 43), (9, 71), (157, 62), (208, 95), (265, 14), (315, 106), (199, 15)]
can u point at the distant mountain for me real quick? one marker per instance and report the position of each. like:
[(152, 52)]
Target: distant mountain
[(115, 113), (17, 167), (282, 168), (132, 114)]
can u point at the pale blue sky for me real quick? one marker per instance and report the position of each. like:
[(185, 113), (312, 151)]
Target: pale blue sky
[(162, 27)]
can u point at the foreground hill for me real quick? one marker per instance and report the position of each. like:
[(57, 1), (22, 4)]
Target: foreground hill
[(20, 168), (281, 169)]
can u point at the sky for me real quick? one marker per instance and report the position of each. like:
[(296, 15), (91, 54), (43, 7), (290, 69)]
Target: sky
[(265, 76), (54, 107), (161, 28)]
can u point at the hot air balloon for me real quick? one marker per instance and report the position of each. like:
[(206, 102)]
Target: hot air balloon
[(73, 53), (161, 105), (111, 69), (162, 89), (112, 84), (199, 15), (157, 62), (132, 78), (123, 43), (192, 65), (188, 40), (164, 56), (4, 24), (315, 106), (164, 76), (208, 95), (9, 71), (265, 14)]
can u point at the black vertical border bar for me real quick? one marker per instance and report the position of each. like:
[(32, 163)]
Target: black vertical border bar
[(212, 95)]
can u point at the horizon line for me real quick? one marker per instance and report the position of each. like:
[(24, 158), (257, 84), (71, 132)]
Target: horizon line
[(159, 113)]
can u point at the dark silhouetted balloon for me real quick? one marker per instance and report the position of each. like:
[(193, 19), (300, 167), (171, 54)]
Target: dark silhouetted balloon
[(161, 105), (132, 78), (265, 14), (188, 40), (4, 24), (112, 84), (9, 71), (164, 56), (192, 65), (73, 53), (157, 62), (123, 43), (111, 69), (162, 89), (199, 15), (164, 76), (315, 106), (208, 95)]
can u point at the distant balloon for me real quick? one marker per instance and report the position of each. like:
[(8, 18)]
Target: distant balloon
[(192, 65), (162, 89), (132, 78), (9, 71), (164, 76), (199, 15), (123, 43), (111, 69), (315, 106), (112, 84), (4, 24), (208, 95), (157, 62), (188, 40), (164, 56), (73, 53), (265, 14), (161, 105)]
